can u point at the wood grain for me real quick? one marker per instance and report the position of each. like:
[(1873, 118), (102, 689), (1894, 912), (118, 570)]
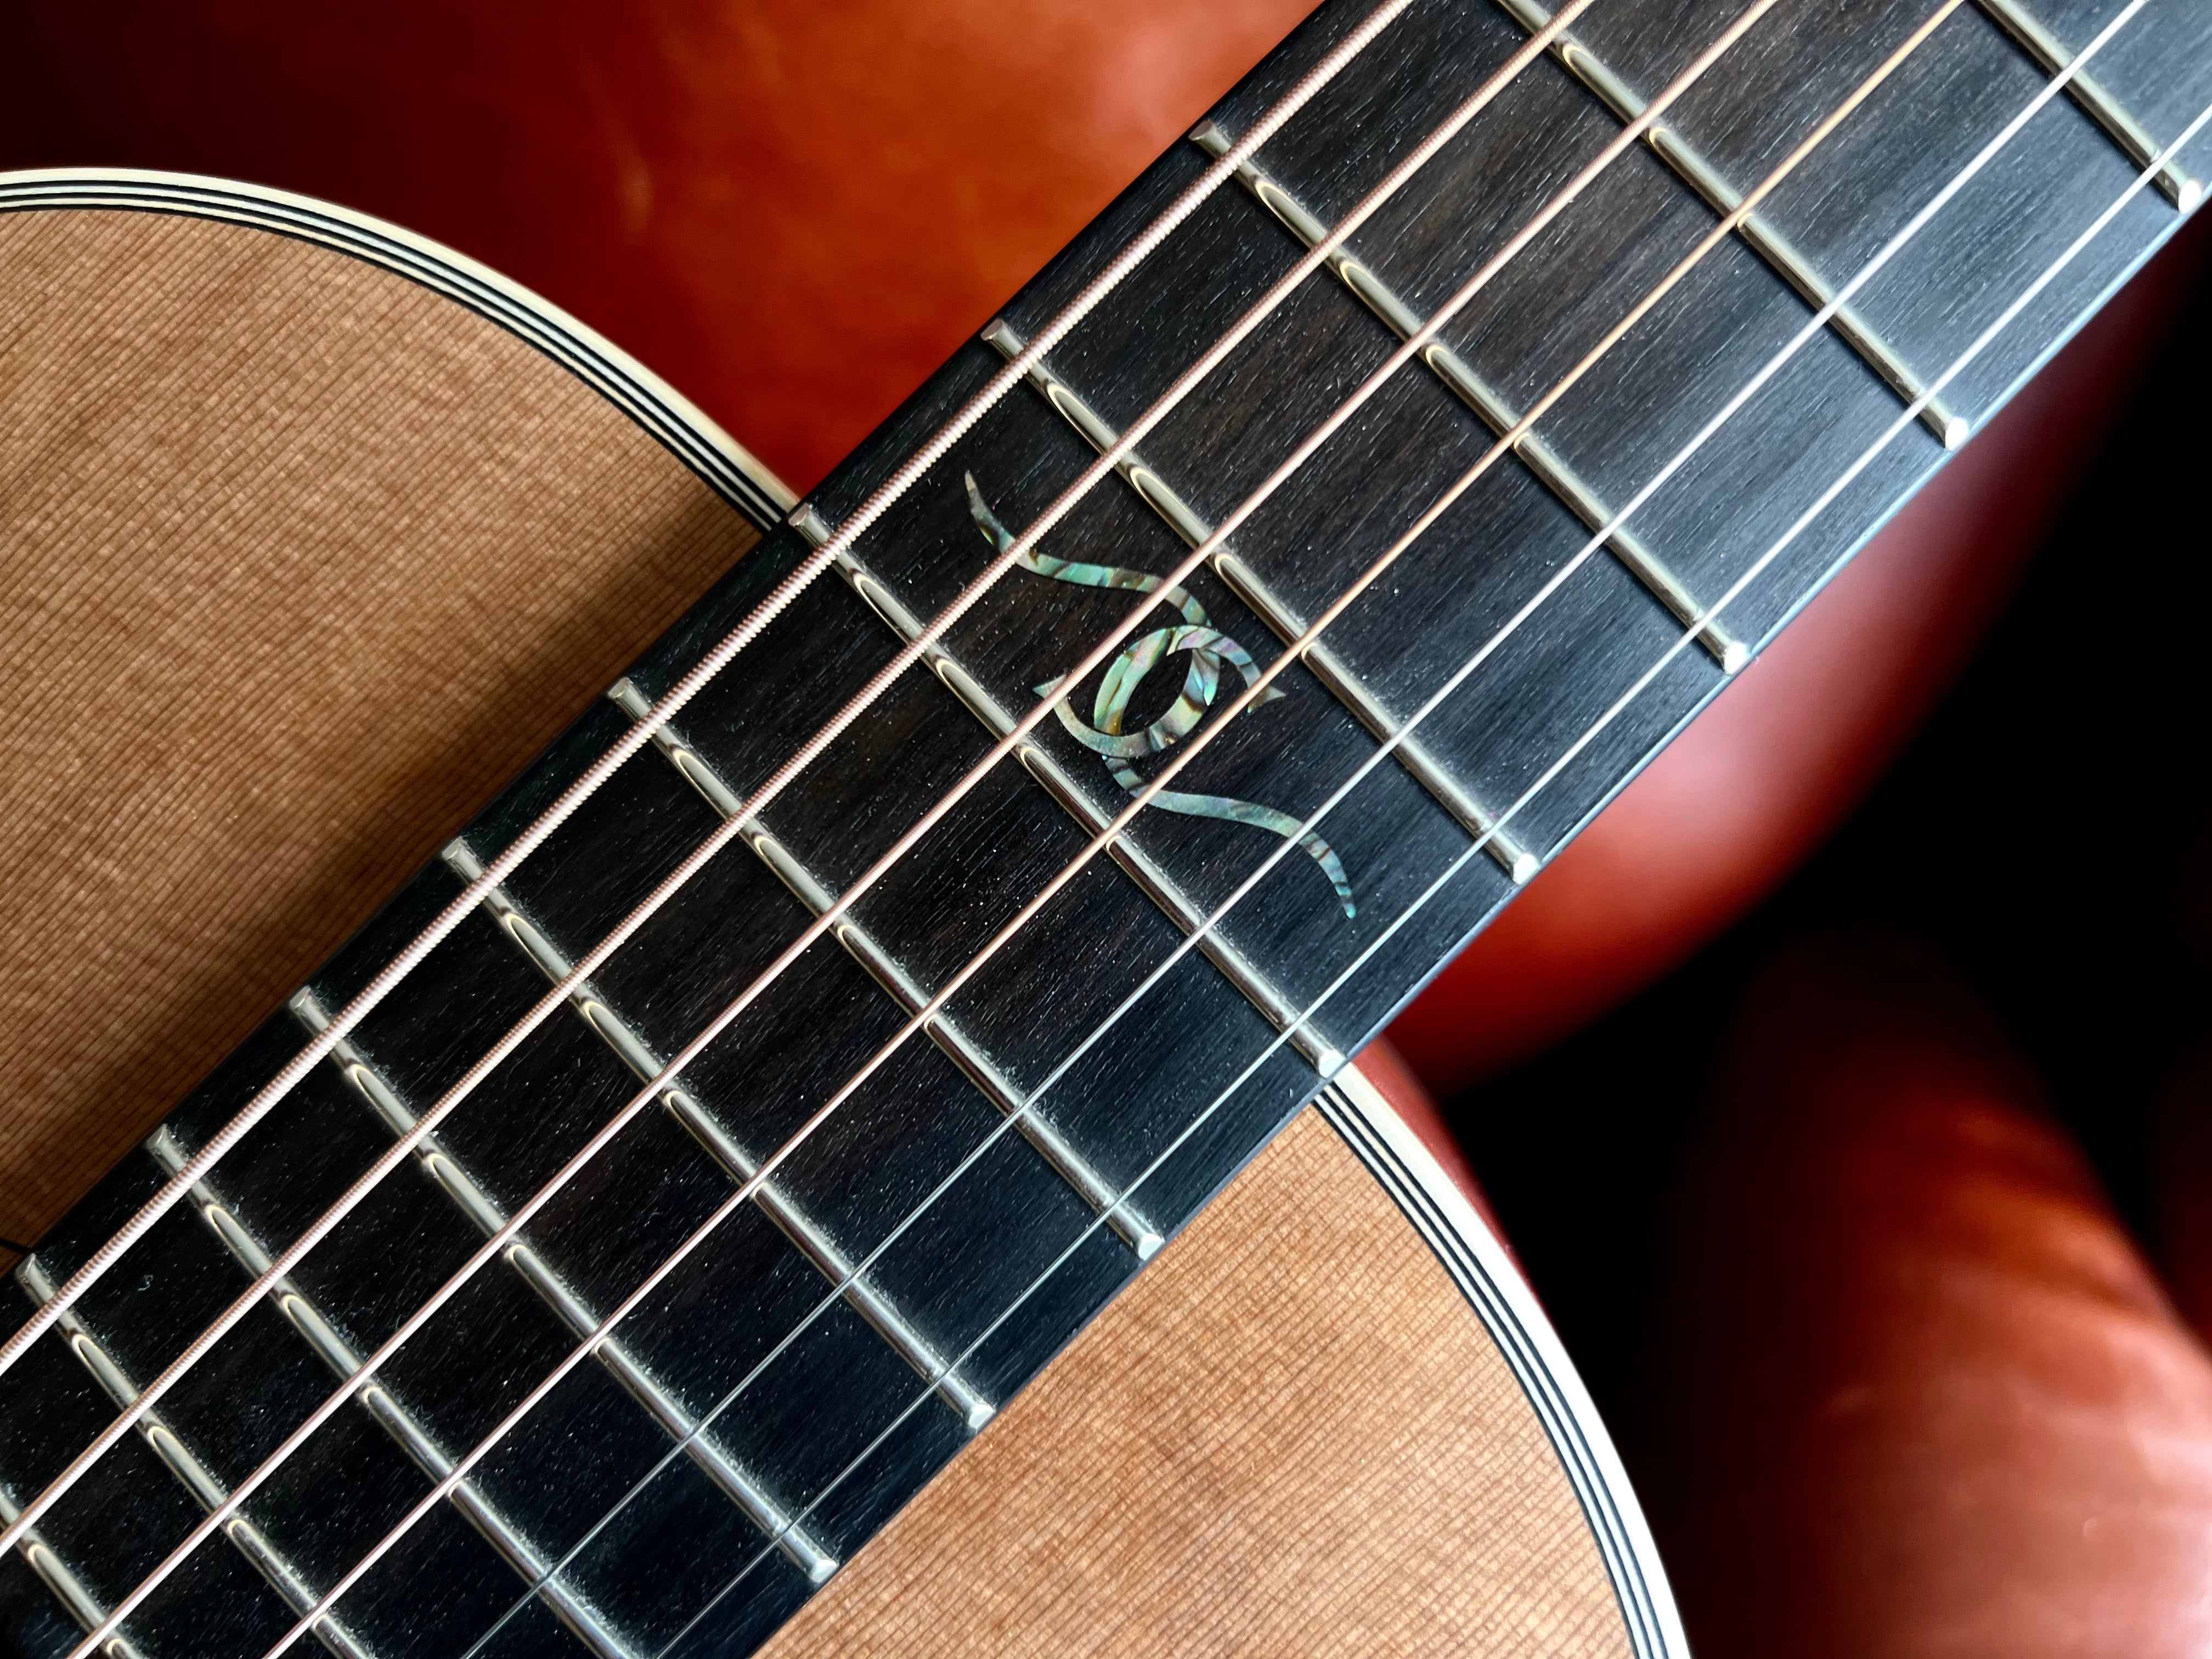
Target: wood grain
[(1290, 1436), (298, 561)]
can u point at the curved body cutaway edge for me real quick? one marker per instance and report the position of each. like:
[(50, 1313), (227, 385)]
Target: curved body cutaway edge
[(1487, 1276), (674, 421)]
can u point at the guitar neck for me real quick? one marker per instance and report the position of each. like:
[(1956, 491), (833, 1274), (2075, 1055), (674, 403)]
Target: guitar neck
[(1606, 401)]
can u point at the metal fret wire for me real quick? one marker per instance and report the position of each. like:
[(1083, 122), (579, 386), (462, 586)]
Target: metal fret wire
[(1870, 273), (1618, 146), (641, 732), (19, 1342), (1911, 413), (556, 997), (1812, 329)]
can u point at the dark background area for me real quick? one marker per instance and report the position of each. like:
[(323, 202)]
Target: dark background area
[(2045, 834)]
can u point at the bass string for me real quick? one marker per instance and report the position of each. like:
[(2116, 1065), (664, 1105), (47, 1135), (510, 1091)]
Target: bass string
[(394, 1154), (1258, 685), (491, 1245), (2142, 180), (1811, 329), (19, 1342), (553, 998), (498, 1240)]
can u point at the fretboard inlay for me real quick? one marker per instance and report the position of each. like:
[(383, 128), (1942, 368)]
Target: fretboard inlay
[(1512, 631)]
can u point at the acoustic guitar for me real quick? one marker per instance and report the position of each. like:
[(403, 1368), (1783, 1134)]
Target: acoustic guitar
[(864, 1143)]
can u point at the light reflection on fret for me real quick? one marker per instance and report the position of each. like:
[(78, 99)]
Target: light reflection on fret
[(1325, 1056), (960, 1396), (1002, 1093), (662, 1406), (1542, 461), (411, 1437), (1757, 233), (1328, 667), (182, 1462), (66, 1586), (2051, 55)]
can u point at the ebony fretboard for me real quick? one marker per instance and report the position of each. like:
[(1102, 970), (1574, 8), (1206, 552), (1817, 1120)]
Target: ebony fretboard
[(834, 1344)]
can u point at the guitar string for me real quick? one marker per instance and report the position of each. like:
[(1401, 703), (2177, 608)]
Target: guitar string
[(1683, 641), (335, 1594), (1527, 53), (1874, 450), (428, 1502), (1810, 330), (492, 1246), (498, 1240), (18, 1342)]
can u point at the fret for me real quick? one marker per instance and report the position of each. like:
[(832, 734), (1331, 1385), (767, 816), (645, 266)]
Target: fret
[(1150, 876), (1153, 1074), (377, 1400), (2050, 54), (67, 1587), (1500, 417), (182, 1462), (1543, 462), (1287, 625), (1756, 232), (453, 1179), (1071, 1165), (814, 1242), (1950, 283)]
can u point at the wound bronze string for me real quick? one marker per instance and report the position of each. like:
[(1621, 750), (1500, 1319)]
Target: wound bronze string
[(1526, 54), (1811, 329), (1684, 642), (1619, 145), (19, 1342)]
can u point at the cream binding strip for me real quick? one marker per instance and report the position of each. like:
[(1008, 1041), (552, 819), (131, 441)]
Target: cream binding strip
[(1685, 639), (2117, 21), (676, 880), (19, 1342)]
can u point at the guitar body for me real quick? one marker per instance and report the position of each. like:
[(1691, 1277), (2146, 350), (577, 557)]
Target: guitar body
[(344, 531), (682, 1072), (1330, 1421)]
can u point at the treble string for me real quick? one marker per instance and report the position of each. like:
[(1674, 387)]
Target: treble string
[(1685, 641), (2116, 21), (1902, 422), (1527, 53), (2051, 89), (1503, 75), (785, 593), (1207, 648)]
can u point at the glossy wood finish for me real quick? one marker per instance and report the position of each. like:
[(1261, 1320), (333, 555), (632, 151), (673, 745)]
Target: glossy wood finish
[(977, 1243), (1290, 1437)]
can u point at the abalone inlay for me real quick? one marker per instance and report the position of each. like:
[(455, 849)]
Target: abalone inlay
[(1207, 648)]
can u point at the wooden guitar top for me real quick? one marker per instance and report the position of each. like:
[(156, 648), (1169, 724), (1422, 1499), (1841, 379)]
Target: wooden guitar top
[(263, 665)]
